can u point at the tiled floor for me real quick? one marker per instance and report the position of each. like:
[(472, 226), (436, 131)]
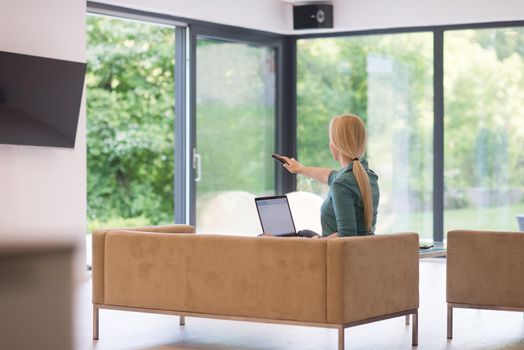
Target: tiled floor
[(474, 329)]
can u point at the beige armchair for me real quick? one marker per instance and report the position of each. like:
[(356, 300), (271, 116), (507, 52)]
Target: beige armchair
[(485, 270)]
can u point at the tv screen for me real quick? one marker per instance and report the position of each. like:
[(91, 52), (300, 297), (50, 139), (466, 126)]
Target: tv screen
[(39, 100)]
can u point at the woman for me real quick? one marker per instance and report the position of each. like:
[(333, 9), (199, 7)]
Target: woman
[(350, 208)]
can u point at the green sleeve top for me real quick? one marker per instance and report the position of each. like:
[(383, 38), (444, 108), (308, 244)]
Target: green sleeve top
[(343, 210)]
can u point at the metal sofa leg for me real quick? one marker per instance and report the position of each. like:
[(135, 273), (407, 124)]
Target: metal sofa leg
[(182, 320), (450, 322), (341, 341), (414, 330), (95, 322), (407, 320)]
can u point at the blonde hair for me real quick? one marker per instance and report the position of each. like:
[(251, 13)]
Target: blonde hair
[(348, 134)]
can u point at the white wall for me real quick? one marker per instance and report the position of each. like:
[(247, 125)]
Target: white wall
[(43, 190), (269, 15), (374, 14), (276, 15)]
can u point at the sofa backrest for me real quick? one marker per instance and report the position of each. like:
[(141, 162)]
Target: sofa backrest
[(266, 277), (485, 268), (311, 280)]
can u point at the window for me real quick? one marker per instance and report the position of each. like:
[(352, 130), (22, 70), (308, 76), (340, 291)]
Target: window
[(235, 117), (227, 126), (484, 128), (388, 81), (130, 122)]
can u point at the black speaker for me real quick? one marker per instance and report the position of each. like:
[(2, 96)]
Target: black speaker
[(313, 16)]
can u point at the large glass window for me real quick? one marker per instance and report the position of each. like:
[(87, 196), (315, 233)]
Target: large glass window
[(484, 128), (130, 122), (235, 133), (388, 81)]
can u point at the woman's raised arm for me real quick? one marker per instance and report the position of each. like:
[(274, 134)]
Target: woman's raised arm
[(319, 174)]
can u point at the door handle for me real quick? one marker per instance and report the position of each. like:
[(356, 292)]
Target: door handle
[(197, 165)]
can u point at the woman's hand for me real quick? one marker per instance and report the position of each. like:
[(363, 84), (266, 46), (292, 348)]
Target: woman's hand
[(319, 174), (293, 166)]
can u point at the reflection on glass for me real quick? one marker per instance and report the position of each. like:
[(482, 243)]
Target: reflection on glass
[(130, 122), (484, 128), (388, 81), (235, 133)]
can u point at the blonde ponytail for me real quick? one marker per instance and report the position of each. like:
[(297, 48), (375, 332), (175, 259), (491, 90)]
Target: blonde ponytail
[(348, 134), (365, 191)]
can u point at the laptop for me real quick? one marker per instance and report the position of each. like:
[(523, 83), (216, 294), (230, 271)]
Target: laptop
[(275, 216)]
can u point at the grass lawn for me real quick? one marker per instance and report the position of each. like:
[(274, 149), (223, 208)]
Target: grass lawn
[(495, 218)]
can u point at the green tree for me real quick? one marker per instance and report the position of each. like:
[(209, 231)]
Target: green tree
[(235, 93), (483, 86), (130, 121), (387, 81), (383, 77)]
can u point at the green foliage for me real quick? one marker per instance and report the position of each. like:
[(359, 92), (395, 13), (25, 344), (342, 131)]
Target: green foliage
[(388, 81), (130, 108), (235, 118), (484, 104)]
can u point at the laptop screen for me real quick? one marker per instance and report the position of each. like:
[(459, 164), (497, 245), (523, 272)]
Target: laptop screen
[(275, 215)]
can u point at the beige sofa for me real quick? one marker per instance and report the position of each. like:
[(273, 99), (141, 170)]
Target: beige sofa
[(336, 283), (485, 270)]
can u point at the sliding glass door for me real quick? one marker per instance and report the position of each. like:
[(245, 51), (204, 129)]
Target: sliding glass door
[(235, 113)]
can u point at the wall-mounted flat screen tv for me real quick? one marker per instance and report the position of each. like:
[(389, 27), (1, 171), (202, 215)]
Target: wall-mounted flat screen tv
[(39, 100)]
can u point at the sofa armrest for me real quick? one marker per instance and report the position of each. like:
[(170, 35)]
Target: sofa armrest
[(98, 246), (371, 276), (98, 253), (485, 268)]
